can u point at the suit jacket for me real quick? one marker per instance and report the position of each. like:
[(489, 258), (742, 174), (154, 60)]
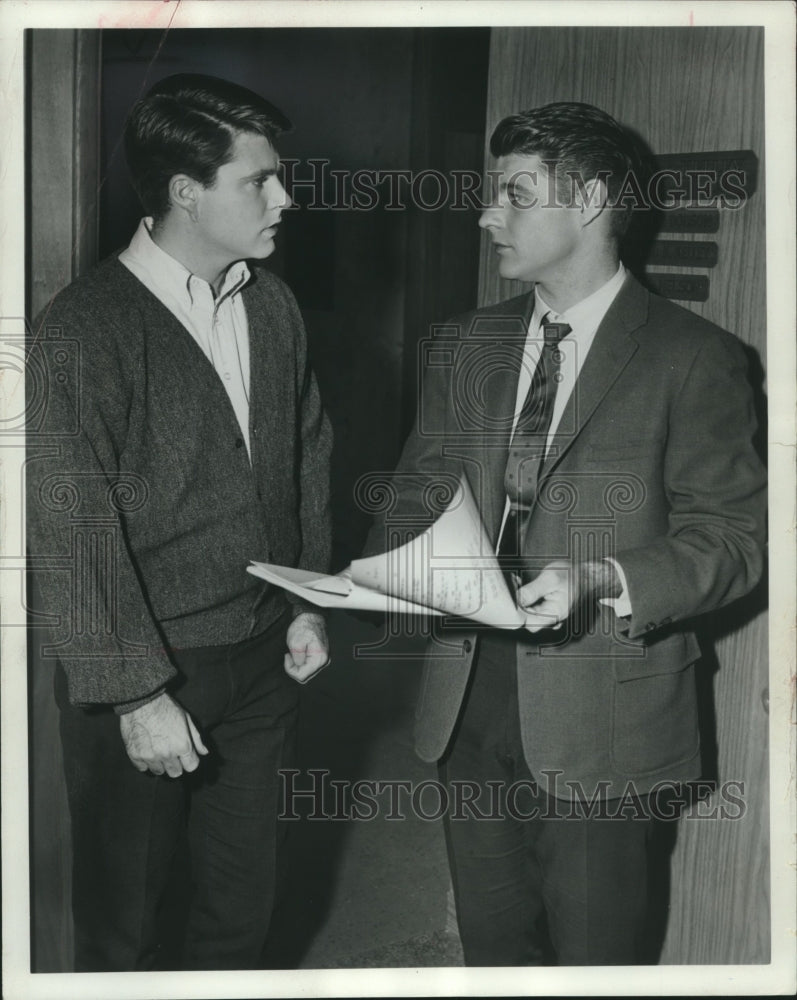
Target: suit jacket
[(652, 464), (144, 508)]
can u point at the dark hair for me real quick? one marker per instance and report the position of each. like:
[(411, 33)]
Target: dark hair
[(583, 142), (187, 124)]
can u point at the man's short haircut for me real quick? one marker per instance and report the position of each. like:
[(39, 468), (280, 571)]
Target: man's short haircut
[(584, 142), (187, 124)]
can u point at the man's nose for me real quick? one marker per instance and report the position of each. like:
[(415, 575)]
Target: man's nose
[(278, 196), (489, 219)]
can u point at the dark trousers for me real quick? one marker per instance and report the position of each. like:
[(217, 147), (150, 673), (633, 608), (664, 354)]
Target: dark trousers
[(127, 827), (585, 875)]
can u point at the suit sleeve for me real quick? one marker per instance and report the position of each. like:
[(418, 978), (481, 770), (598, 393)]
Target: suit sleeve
[(99, 623), (715, 486)]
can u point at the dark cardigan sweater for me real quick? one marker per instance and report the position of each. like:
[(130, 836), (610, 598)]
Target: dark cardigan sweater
[(143, 507)]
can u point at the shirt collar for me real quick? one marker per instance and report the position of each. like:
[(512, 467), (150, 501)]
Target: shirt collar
[(167, 272), (585, 315)]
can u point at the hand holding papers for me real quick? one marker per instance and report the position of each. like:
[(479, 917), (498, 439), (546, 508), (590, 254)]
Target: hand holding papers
[(449, 569)]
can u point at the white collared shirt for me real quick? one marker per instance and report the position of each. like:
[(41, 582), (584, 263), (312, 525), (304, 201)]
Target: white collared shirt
[(584, 318), (218, 324)]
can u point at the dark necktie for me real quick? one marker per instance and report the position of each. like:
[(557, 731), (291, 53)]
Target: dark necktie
[(527, 448)]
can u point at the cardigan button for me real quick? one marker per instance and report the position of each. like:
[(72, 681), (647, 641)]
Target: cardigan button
[(467, 645)]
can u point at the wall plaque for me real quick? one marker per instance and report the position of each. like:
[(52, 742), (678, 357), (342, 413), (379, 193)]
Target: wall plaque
[(686, 253), (686, 287), (730, 175), (690, 220)]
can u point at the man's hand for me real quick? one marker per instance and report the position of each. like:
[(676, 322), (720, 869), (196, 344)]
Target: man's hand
[(161, 737), (551, 597), (548, 598), (308, 647)]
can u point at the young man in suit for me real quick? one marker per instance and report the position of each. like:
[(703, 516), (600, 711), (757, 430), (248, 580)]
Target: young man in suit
[(606, 436), (190, 441)]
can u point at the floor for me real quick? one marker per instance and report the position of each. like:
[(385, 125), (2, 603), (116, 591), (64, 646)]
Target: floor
[(370, 891)]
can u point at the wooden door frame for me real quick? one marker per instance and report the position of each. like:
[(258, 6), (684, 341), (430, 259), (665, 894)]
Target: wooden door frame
[(62, 179)]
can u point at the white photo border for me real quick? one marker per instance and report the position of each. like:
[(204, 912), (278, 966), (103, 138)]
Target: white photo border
[(778, 977)]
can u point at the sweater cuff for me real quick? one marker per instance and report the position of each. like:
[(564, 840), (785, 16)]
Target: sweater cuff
[(130, 706), (302, 607)]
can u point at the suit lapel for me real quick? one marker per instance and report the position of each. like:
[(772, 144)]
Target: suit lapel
[(611, 350)]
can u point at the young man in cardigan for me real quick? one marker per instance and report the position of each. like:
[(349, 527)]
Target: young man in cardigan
[(190, 441)]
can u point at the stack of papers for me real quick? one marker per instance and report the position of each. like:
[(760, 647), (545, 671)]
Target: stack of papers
[(450, 569)]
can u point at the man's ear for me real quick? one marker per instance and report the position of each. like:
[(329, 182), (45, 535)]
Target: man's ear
[(183, 194), (592, 199)]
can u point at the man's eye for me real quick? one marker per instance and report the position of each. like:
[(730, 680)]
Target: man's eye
[(519, 199)]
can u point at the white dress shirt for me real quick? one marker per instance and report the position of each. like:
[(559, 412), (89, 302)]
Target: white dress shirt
[(218, 324), (583, 318)]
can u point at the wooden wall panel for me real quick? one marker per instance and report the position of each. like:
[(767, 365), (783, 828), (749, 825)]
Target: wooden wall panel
[(63, 172), (685, 90), (63, 152)]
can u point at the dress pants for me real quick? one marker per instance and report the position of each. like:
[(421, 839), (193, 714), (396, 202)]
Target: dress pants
[(127, 827), (586, 876)]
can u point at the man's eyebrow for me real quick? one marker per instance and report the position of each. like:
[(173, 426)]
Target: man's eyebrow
[(261, 174), (518, 181), (513, 186)]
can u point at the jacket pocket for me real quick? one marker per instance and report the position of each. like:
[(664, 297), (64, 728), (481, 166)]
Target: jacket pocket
[(615, 457), (654, 722), (667, 655)]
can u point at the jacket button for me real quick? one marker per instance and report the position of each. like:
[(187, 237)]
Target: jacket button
[(239, 442), (467, 645)]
